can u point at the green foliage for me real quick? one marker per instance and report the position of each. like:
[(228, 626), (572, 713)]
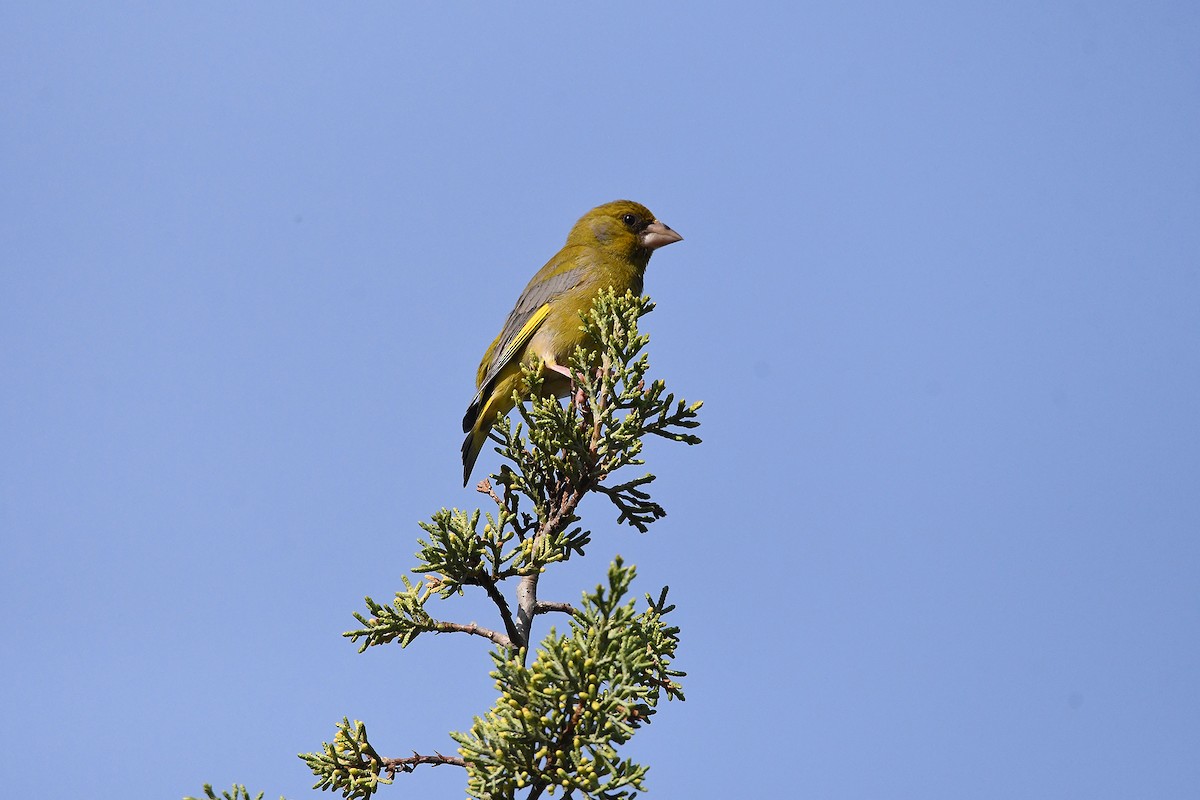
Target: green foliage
[(557, 724), (238, 792), (581, 445), (349, 764), (400, 622)]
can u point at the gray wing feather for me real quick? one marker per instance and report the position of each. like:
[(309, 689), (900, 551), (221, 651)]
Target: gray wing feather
[(533, 298)]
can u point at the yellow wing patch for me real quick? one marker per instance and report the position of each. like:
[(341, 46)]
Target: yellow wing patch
[(522, 338), (509, 352)]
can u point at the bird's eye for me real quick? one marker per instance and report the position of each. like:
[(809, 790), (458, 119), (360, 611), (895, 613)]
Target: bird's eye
[(629, 219)]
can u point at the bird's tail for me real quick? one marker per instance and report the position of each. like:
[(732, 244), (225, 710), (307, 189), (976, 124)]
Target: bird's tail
[(470, 450), (480, 418)]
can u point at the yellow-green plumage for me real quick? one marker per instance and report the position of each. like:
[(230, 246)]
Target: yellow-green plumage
[(609, 247)]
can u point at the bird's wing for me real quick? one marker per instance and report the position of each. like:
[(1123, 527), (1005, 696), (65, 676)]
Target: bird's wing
[(530, 311)]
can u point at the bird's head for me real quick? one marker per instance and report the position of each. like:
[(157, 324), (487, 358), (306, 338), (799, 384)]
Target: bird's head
[(624, 228)]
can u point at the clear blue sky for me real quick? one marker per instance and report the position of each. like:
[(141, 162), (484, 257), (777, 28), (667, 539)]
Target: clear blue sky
[(940, 291)]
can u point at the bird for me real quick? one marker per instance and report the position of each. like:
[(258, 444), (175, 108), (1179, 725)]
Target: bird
[(609, 247)]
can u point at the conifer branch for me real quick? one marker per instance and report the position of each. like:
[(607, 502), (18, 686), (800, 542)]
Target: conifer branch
[(476, 630), (394, 765), (559, 721), (239, 792), (497, 597), (546, 607)]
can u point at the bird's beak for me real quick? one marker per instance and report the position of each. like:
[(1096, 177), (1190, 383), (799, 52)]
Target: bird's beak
[(657, 235)]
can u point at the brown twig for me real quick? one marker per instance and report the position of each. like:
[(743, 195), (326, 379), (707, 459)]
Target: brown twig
[(485, 487), (545, 607), (476, 630), (493, 591), (527, 602), (394, 765)]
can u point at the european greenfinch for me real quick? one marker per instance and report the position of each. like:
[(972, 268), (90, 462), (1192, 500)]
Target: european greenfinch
[(609, 247)]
